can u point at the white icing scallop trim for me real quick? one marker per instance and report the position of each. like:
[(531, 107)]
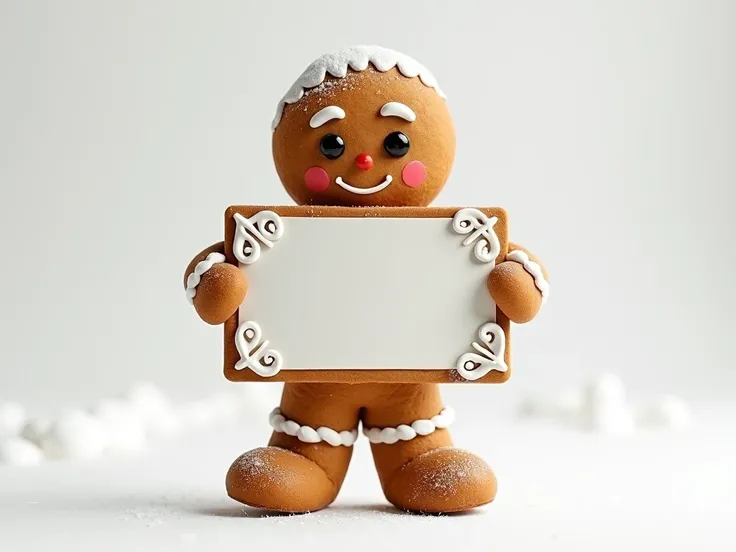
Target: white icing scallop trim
[(325, 115), (519, 256), (391, 435), (398, 109), (254, 351), (196, 276), (356, 58), (480, 227), (307, 434)]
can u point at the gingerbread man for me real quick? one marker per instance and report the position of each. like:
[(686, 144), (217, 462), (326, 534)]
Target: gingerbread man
[(364, 126)]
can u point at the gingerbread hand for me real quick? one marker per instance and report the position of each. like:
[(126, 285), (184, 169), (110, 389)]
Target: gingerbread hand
[(215, 288), (519, 285)]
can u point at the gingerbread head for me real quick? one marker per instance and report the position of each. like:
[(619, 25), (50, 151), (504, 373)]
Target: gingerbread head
[(364, 126)]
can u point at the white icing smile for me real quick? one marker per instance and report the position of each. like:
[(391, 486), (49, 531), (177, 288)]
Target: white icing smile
[(364, 191)]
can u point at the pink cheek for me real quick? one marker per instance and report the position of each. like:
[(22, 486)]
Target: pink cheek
[(317, 179), (414, 174)]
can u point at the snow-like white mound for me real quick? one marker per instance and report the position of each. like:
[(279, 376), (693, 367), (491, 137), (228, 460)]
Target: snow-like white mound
[(602, 406)]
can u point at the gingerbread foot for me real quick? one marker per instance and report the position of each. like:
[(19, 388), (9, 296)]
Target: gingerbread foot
[(419, 469), (442, 480), (281, 480)]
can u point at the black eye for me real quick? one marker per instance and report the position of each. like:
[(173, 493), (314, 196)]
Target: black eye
[(332, 146), (397, 144)]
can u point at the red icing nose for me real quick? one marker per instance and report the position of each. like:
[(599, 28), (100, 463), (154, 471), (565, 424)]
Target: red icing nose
[(364, 161)]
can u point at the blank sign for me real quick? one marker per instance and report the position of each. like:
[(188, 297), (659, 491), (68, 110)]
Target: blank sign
[(361, 293)]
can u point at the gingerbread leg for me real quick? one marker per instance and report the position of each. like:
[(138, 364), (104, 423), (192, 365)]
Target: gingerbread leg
[(419, 469), (305, 463)]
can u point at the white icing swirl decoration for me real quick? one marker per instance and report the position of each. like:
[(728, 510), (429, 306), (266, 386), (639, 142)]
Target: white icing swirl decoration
[(489, 355), (480, 227), (519, 256), (404, 432), (196, 276), (254, 352), (307, 434), (265, 226)]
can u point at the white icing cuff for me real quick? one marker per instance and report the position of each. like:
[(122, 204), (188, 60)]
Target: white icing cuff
[(519, 256), (202, 267), (391, 435), (308, 434)]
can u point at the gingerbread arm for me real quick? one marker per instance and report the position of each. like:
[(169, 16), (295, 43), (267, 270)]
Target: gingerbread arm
[(519, 284), (215, 287)]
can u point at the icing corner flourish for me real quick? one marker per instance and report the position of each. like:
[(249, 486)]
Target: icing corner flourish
[(480, 227), (265, 227), (489, 355), (254, 352)]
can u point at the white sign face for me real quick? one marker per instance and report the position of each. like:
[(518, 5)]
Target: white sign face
[(351, 293)]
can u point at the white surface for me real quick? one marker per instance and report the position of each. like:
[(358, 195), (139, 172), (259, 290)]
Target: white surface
[(558, 491), (304, 293), (128, 128)]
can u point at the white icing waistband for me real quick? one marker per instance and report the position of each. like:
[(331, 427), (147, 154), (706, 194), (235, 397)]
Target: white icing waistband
[(202, 267), (391, 435), (519, 256), (308, 434)]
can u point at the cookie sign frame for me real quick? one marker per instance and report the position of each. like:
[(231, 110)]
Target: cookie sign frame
[(360, 295)]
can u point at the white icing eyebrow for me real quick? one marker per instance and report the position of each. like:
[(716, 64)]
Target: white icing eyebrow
[(326, 114), (396, 109)]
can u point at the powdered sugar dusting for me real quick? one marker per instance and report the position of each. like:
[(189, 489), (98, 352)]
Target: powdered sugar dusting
[(356, 58), (329, 87), (262, 468), (449, 478)]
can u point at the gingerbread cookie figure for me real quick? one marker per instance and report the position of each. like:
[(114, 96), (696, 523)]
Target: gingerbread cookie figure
[(363, 126)]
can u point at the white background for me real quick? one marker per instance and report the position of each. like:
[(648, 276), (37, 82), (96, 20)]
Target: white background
[(607, 129)]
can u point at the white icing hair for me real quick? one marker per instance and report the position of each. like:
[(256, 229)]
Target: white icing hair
[(356, 58)]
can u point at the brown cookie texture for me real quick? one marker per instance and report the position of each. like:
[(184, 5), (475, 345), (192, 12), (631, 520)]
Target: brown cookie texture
[(221, 289), (514, 290), (442, 480), (278, 479), (296, 146)]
